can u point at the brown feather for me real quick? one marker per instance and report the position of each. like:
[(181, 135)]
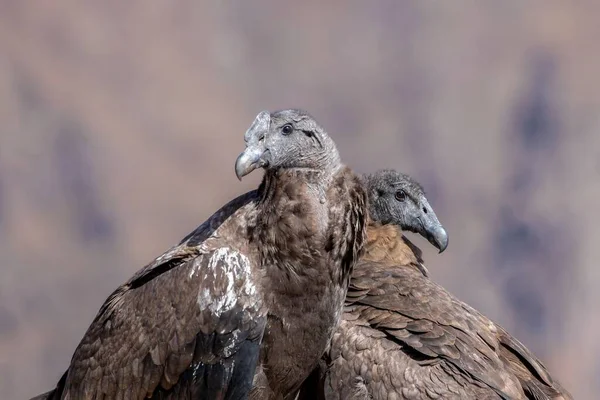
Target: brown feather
[(434, 346), (322, 237)]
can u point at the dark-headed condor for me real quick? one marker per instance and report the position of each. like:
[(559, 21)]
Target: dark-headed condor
[(402, 336)]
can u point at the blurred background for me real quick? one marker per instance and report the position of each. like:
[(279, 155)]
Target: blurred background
[(120, 123)]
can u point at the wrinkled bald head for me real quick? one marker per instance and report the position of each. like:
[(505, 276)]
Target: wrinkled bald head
[(396, 198), (286, 139)]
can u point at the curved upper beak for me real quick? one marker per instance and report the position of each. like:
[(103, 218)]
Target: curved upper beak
[(253, 156), (433, 230), (249, 160), (437, 236)]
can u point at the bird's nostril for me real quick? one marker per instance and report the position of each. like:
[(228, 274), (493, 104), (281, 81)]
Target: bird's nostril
[(424, 210)]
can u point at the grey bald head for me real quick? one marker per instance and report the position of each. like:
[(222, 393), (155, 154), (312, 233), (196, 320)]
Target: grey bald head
[(396, 198), (286, 139)]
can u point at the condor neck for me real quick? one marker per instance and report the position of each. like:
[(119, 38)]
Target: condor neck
[(387, 243), (274, 180), (292, 224)]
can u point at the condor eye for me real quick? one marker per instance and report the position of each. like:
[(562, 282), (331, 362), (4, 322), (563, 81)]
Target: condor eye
[(287, 129), (400, 195)]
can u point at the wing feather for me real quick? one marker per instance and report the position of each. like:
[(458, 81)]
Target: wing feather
[(188, 324), (147, 337), (416, 312)]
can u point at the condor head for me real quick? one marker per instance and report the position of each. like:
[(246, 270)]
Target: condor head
[(396, 198), (286, 139)]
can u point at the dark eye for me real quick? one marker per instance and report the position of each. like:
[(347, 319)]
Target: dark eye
[(400, 195), (287, 129)]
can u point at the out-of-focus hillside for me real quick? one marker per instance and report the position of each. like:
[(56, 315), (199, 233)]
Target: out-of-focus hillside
[(121, 121)]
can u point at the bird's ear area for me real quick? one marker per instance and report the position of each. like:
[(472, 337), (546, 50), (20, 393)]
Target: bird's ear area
[(313, 135)]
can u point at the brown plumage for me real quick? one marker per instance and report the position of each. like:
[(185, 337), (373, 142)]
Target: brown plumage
[(247, 303), (402, 336)]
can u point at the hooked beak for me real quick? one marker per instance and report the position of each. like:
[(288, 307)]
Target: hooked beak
[(249, 160), (431, 227), (254, 155), (437, 236)]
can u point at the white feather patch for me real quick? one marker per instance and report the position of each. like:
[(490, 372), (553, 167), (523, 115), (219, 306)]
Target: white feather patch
[(225, 267)]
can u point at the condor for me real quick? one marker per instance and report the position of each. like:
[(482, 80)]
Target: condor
[(402, 336), (247, 303)]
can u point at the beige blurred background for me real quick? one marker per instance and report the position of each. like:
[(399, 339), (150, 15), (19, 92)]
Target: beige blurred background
[(120, 123)]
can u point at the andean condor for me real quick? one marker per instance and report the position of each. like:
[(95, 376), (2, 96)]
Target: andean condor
[(248, 302), (402, 336)]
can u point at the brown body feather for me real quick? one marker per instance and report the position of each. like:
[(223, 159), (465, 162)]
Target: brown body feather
[(309, 240), (402, 336)]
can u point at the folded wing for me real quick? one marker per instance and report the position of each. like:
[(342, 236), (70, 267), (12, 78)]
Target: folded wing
[(187, 325)]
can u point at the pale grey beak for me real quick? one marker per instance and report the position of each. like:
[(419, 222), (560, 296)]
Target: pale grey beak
[(254, 155), (432, 229), (437, 236), (248, 161)]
